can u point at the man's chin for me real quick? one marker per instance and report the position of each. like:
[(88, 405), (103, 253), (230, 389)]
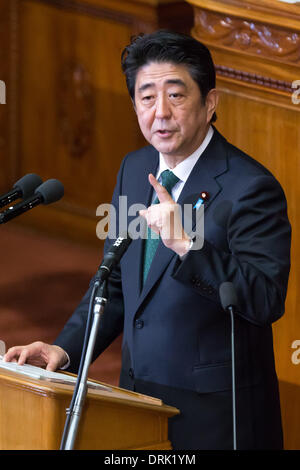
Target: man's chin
[(166, 148)]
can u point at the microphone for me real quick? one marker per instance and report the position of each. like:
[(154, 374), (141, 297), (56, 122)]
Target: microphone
[(228, 295), (48, 192), (23, 188), (229, 303), (113, 256)]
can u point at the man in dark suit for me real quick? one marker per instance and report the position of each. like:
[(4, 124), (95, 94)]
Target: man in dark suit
[(164, 295)]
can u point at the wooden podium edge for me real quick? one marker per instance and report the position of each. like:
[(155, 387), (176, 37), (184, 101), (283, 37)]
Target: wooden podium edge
[(50, 389)]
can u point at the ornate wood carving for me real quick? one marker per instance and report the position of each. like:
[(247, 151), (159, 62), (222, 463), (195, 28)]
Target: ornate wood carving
[(76, 109), (254, 78), (250, 36)]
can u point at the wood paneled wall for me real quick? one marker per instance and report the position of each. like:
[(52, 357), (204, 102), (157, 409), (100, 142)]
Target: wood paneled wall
[(255, 45), (68, 114), (7, 111)]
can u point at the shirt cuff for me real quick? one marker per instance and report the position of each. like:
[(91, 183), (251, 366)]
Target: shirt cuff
[(67, 364)]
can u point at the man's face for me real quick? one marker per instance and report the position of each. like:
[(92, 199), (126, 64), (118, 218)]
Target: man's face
[(170, 110)]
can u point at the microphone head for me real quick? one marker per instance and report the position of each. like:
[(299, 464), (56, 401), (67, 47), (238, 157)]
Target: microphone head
[(27, 184), (113, 256), (50, 191), (228, 295), (118, 248)]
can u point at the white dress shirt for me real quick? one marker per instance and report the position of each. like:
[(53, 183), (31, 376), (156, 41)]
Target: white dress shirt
[(184, 168)]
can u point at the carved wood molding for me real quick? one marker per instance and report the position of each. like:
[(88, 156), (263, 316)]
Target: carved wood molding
[(243, 35), (254, 78)]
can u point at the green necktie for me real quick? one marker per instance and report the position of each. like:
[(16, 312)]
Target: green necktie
[(168, 180)]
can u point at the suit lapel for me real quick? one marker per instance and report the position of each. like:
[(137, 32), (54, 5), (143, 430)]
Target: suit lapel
[(211, 164), (144, 196)]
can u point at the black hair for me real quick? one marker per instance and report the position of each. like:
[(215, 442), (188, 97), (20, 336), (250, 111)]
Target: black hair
[(172, 47)]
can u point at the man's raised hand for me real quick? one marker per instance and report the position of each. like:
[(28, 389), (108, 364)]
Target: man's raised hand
[(165, 219)]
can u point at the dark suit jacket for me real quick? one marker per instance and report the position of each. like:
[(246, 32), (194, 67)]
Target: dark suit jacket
[(176, 336)]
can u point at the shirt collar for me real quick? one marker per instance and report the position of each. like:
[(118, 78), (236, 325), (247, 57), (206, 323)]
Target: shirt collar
[(184, 168)]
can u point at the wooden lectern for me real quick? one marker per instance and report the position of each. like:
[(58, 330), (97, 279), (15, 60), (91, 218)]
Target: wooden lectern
[(33, 414)]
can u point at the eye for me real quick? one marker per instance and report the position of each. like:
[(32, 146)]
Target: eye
[(148, 99), (176, 96)]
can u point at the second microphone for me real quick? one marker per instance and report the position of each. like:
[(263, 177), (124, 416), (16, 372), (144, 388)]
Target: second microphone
[(47, 193)]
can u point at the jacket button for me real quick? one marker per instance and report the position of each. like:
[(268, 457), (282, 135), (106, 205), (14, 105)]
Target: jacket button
[(130, 373), (139, 324)]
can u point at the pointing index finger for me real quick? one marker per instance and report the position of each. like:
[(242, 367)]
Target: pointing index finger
[(161, 192)]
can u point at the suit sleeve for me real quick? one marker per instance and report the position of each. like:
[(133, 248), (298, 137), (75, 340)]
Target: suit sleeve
[(71, 337), (258, 261)]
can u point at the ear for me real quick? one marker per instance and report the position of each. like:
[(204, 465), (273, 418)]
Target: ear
[(211, 103)]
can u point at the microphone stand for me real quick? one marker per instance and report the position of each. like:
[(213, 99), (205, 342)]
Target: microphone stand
[(231, 311), (97, 305), (229, 302)]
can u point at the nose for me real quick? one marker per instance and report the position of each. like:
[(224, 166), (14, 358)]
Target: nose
[(163, 109)]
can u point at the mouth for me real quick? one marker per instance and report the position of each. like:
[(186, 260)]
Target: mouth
[(164, 132)]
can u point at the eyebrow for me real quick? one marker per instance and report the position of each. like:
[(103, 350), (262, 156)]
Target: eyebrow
[(171, 81)]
